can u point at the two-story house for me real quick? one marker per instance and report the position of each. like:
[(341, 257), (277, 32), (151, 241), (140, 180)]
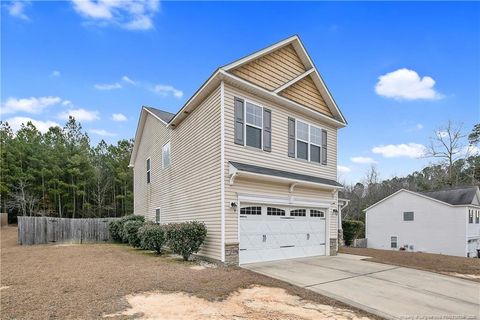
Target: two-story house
[(253, 154), (445, 222)]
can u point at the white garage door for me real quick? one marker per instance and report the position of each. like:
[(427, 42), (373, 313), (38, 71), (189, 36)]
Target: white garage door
[(271, 232)]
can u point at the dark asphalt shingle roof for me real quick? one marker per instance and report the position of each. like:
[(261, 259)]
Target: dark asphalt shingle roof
[(283, 174), (457, 196), (164, 115)]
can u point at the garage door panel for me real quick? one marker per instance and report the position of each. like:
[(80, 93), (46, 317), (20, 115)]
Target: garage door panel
[(268, 237)]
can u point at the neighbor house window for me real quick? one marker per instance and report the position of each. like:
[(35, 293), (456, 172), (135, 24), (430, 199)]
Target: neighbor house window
[(157, 215), (477, 217), (408, 216), (470, 216), (393, 242), (166, 155), (148, 170), (309, 142), (253, 125)]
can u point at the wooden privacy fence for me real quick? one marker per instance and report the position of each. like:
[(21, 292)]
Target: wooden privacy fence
[(41, 230)]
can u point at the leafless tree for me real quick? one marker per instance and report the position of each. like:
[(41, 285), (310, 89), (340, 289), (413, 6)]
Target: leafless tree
[(22, 199), (447, 145)]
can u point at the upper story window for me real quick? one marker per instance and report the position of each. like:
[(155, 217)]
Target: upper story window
[(477, 217), (408, 216), (306, 141), (157, 215), (166, 155), (148, 170), (253, 125), (470, 216)]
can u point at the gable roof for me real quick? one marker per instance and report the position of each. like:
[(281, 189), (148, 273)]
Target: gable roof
[(456, 196), (450, 197), (163, 115)]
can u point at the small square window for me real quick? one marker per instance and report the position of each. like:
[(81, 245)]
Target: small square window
[(408, 216)]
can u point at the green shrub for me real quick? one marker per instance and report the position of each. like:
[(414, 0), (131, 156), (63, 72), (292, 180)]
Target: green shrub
[(130, 232), (186, 238), (152, 237), (122, 235), (351, 230), (115, 228)]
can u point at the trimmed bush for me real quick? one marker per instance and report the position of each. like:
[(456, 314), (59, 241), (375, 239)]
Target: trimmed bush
[(351, 230), (125, 219), (115, 228), (130, 232), (186, 238), (152, 237)]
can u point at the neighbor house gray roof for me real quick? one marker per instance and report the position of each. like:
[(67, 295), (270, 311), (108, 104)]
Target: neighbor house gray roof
[(164, 115), (283, 174), (457, 196)]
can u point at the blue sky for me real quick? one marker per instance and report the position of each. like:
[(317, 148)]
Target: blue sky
[(397, 70)]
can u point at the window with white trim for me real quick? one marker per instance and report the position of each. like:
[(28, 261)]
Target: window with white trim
[(166, 155), (251, 210), (317, 213), (275, 211), (477, 217), (253, 125), (308, 142), (393, 242), (298, 213), (148, 170), (470, 216), (157, 215), (408, 216)]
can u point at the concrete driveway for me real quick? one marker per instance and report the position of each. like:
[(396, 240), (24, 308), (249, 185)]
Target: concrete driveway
[(389, 291)]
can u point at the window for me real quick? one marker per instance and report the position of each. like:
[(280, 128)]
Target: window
[(157, 215), (275, 212), (253, 125), (408, 216), (298, 213), (148, 170), (309, 142), (317, 213), (393, 242), (470, 216), (166, 155), (251, 210), (477, 217)]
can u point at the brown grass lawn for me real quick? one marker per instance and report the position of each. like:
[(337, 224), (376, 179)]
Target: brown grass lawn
[(458, 266), (91, 280)]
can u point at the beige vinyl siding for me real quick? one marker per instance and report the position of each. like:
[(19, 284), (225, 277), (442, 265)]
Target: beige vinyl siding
[(259, 188), (190, 188), (306, 93), (273, 70), (277, 159)]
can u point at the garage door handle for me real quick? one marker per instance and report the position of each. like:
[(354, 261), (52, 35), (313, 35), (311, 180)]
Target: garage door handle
[(264, 238)]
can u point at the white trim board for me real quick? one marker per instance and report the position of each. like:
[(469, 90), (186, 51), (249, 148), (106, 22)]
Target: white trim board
[(222, 169)]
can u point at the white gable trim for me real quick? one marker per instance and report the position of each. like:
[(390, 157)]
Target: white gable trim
[(416, 194), (294, 80)]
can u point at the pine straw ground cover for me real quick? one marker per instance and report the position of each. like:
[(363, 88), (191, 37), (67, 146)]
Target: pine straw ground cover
[(465, 268), (91, 281)]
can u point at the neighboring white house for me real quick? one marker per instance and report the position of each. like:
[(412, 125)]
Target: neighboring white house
[(444, 222), (253, 154)]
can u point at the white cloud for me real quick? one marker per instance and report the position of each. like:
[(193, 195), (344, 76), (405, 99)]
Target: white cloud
[(128, 80), (80, 115), (42, 126), (33, 105), (55, 74), (165, 90), (343, 169), (103, 133), (405, 84), (108, 86), (363, 160), (409, 150), (131, 15), (419, 126), (17, 9), (119, 117), (469, 151)]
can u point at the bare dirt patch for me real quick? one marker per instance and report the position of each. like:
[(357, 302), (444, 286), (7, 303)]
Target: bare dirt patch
[(91, 280), (465, 268), (256, 302)]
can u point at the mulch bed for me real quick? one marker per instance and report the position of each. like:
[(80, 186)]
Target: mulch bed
[(423, 261), (90, 280)]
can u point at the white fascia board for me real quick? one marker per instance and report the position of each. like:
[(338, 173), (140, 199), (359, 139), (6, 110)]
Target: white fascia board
[(294, 80), (279, 99), (222, 169), (260, 53)]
